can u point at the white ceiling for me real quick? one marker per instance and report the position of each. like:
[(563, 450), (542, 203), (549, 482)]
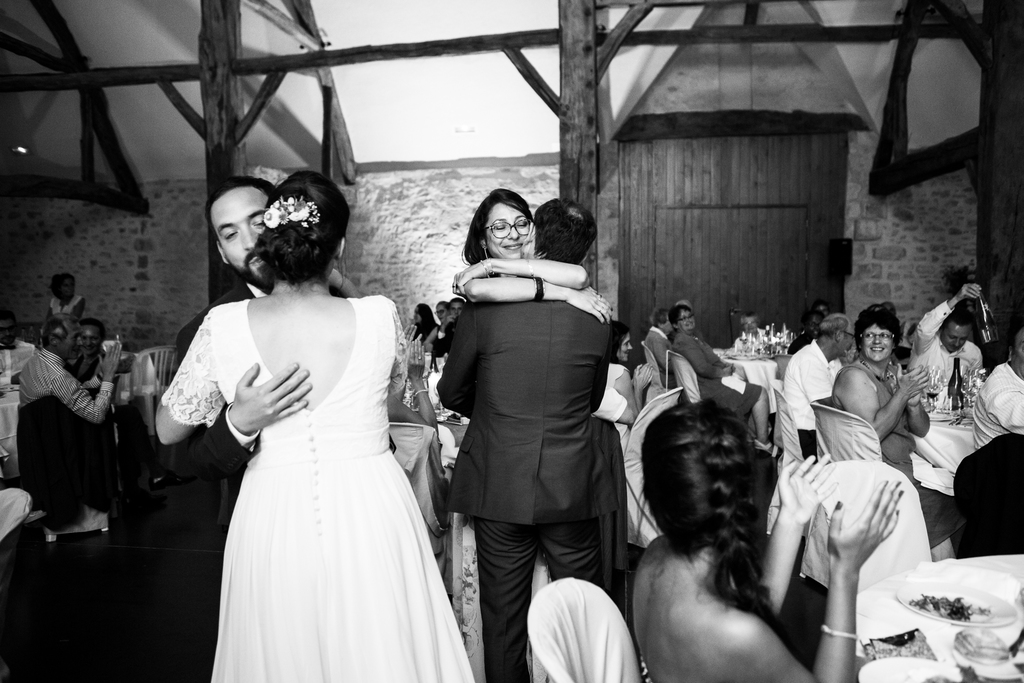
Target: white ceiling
[(408, 110)]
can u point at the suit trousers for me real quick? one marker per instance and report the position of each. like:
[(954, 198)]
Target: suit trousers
[(506, 554)]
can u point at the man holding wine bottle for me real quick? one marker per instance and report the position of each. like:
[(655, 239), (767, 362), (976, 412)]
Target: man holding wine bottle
[(943, 336)]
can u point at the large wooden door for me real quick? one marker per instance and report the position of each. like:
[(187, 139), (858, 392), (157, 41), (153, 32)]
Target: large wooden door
[(727, 260), (732, 222)]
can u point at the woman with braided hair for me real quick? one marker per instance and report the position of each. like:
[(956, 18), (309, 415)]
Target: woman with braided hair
[(705, 609)]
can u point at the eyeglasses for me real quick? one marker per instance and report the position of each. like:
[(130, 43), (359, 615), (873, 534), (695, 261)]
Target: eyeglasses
[(502, 229), (877, 336)]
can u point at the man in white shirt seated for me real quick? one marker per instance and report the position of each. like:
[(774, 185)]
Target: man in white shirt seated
[(999, 408), (943, 333), (14, 353), (811, 373)]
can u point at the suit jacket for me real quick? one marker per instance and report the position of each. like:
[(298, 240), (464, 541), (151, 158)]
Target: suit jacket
[(214, 451), (529, 375), (987, 489)]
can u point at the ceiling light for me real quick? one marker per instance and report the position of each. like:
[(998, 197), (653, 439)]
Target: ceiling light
[(20, 151)]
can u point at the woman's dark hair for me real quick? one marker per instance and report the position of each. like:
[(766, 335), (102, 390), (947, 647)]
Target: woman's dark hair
[(698, 480), (426, 324), (620, 331), (474, 252), (876, 315), (297, 253), (57, 280), (93, 322), (676, 312)]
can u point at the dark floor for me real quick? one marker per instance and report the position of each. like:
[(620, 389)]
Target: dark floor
[(139, 603)]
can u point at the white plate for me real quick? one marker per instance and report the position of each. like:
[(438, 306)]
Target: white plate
[(1000, 672), (898, 670), (1001, 614)]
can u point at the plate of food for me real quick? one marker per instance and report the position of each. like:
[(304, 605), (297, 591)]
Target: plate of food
[(956, 604), (908, 670)]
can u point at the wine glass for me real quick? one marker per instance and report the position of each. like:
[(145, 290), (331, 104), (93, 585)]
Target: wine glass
[(935, 385)]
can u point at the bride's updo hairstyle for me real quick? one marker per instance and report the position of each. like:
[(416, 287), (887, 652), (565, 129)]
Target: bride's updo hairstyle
[(698, 482), (305, 222)]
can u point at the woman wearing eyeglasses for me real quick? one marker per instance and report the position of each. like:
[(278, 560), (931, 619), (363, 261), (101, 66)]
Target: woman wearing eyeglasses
[(500, 243), (873, 388)]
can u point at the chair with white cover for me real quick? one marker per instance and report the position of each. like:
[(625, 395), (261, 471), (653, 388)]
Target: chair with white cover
[(15, 505), (659, 382), (642, 528), (151, 374), (788, 439), (845, 435), (903, 550), (685, 375), (782, 361), (579, 636)]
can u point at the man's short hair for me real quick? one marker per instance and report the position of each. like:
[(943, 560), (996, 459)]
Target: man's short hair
[(456, 300), (8, 315), (233, 183), (659, 316), (960, 316), (59, 322), (834, 322), (676, 312), (93, 322), (565, 231), (806, 317)]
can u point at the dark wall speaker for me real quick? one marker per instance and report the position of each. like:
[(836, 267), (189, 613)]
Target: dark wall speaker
[(840, 256)]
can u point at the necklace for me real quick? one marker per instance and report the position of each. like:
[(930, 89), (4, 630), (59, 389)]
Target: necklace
[(888, 378)]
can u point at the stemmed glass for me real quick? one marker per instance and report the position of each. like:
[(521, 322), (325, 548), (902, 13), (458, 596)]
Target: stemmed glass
[(935, 386)]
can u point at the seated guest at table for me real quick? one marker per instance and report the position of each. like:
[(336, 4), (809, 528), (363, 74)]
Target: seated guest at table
[(64, 298), (623, 394), (706, 604), (943, 334), (822, 306), (426, 328), (809, 323), (747, 400), (445, 333), (999, 408), (811, 374), (441, 311), (658, 343), (133, 443), (750, 323), (14, 353), (872, 388)]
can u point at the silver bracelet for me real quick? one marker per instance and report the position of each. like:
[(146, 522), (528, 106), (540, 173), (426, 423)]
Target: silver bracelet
[(838, 634), (421, 391)]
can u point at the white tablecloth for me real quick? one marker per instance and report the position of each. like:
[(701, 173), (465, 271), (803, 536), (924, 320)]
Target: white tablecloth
[(880, 614), (9, 433), (946, 446), (760, 372)]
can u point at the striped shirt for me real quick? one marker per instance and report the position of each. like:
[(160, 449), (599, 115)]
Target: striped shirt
[(44, 375)]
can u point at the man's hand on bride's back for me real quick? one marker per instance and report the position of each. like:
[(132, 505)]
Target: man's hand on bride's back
[(256, 407)]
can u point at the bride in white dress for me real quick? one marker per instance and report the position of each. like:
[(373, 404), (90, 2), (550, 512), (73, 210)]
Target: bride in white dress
[(328, 572)]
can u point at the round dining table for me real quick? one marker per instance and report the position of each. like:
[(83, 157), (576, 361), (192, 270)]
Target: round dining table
[(9, 400), (947, 443), (880, 613), (759, 370)]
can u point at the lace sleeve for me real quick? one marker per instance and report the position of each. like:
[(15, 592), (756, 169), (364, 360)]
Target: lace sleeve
[(399, 368), (194, 398)]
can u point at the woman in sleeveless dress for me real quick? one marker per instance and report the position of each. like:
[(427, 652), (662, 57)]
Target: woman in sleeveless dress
[(328, 572), (872, 388)]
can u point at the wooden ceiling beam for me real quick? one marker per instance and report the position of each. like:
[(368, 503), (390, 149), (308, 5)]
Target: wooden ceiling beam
[(893, 136), (66, 188), (610, 46), (750, 13), (765, 33), (533, 78), (734, 122), (924, 164), (259, 104), (191, 116), (956, 14), (281, 20), (341, 143), (40, 57)]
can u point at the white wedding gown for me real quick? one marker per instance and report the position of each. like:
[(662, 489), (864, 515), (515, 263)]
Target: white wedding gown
[(328, 572)]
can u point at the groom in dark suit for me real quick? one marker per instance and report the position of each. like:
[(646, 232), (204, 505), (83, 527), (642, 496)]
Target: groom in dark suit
[(530, 469)]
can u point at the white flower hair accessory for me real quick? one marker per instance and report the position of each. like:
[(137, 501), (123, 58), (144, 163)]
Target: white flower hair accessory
[(294, 209)]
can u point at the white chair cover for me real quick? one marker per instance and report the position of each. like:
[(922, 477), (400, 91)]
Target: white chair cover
[(660, 381), (686, 375), (642, 528), (782, 361), (905, 549), (579, 636), (788, 439), (151, 374), (845, 435)]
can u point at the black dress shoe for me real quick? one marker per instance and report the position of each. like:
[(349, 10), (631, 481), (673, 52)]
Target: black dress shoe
[(143, 501), (169, 479)]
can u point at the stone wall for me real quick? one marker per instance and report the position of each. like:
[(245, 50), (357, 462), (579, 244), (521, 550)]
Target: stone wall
[(904, 242), (144, 276)]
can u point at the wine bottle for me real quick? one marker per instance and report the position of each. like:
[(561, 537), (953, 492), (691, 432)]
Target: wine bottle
[(985, 321), (956, 387)]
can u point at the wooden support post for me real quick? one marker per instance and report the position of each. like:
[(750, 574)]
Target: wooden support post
[(192, 117), (533, 78), (611, 45), (86, 142), (922, 164), (326, 144), (219, 41), (259, 104), (893, 137), (980, 45), (578, 114), (1001, 167)]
